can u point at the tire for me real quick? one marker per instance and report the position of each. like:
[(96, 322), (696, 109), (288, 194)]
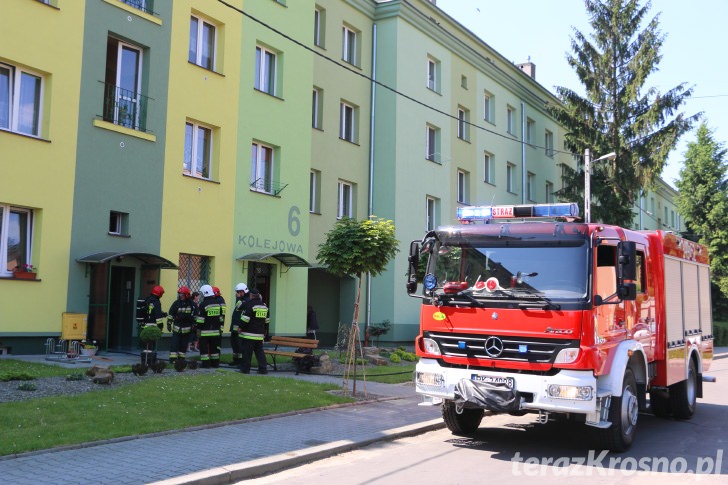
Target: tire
[(464, 423), (623, 413), (660, 404), (683, 395)]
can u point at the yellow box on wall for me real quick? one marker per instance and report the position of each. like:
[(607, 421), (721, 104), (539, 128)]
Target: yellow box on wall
[(73, 326)]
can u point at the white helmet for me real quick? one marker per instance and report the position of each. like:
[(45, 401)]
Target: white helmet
[(241, 287), (207, 290)]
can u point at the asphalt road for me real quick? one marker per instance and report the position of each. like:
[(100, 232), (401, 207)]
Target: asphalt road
[(508, 449)]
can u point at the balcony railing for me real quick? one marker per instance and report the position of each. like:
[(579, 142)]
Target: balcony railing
[(143, 5), (268, 186), (125, 108)]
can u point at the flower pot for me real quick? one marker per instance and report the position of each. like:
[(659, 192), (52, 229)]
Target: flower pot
[(24, 275), (89, 352)]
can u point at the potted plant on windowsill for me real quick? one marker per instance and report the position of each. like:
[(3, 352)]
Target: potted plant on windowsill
[(25, 272)]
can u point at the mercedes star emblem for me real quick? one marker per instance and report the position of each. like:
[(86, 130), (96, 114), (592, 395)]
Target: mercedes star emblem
[(493, 346)]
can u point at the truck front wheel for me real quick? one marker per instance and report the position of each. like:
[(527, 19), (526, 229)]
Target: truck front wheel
[(683, 395), (623, 413), (465, 422)]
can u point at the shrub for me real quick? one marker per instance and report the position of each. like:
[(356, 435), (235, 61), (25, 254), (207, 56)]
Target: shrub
[(16, 376), (27, 386), (76, 376), (150, 334), (395, 358)]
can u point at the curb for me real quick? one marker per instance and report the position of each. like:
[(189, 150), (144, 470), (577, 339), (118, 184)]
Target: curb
[(276, 463)]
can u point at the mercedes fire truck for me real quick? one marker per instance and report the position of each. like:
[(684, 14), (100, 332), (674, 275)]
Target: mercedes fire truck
[(526, 310)]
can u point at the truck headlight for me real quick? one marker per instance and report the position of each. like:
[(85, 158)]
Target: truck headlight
[(431, 346), (567, 356), (578, 393)]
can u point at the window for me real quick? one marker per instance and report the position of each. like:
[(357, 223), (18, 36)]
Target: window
[(432, 149), (261, 174), (314, 192), (464, 82), (488, 103), (194, 271), (198, 151), (433, 74), (345, 200), (530, 125), (549, 143), (16, 233), (123, 103), (317, 108), (431, 213), (510, 176), (463, 187), (488, 169), (349, 47), (511, 120), (549, 192), (202, 43), (265, 71), (118, 223), (530, 180), (20, 100), (143, 5), (319, 22), (463, 124), (348, 128)]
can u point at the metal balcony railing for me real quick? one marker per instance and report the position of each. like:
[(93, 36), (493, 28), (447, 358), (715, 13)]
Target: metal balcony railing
[(125, 108), (268, 186), (143, 5)]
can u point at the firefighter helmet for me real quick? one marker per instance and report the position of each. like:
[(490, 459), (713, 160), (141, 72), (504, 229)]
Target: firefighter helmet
[(158, 291), (241, 287), (207, 291), (216, 290), (184, 291)]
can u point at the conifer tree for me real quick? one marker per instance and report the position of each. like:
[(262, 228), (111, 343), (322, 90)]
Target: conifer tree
[(619, 113)]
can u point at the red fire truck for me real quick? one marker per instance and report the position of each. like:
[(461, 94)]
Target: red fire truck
[(532, 312)]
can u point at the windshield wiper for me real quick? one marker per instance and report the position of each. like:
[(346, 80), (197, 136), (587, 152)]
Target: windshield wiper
[(538, 301)]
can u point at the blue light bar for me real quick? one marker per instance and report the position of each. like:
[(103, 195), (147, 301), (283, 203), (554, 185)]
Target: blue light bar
[(481, 213)]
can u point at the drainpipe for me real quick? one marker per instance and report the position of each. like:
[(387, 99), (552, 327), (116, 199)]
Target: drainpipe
[(371, 172), (523, 153)]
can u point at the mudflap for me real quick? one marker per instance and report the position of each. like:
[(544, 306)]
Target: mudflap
[(498, 398)]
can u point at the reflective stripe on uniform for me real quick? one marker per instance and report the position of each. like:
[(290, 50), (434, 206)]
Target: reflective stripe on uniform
[(252, 336)]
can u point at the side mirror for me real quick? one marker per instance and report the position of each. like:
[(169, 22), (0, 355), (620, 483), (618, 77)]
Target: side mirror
[(413, 267), (627, 291), (626, 288)]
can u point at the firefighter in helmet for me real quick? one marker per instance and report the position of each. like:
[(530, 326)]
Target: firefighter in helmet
[(153, 314), (241, 296), (208, 320), (180, 321), (254, 319)]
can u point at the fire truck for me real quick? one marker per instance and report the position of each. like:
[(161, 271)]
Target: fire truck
[(527, 310)]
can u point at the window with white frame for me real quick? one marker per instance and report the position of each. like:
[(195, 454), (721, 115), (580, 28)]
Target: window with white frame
[(265, 70), (202, 43), (549, 143), (16, 238), (345, 202), (463, 187), (433, 74), (510, 177), (432, 142), (549, 192), (21, 94), (314, 192), (123, 102), (511, 120), (488, 168), (262, 165), (349, 45), (317, 108), (118, 223), (319, 23), (530, 126), (488, 104), (530, 181), (432, 210), (198, 151), (348, 125), (463, 124)]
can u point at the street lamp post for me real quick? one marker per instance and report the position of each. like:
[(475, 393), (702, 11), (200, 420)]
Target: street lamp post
[(587, 180)]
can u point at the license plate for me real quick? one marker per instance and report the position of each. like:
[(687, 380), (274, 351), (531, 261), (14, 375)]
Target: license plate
[(509, 382)]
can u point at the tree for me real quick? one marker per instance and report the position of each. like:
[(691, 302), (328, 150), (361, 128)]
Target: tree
[(619, 113), (703, 200), (354, 248)]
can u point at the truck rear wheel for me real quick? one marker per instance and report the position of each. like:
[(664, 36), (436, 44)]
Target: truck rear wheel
[(683, 395), (465, 422), (623, 413)]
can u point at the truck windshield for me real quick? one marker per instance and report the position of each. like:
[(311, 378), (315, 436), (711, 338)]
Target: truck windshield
[(554, 271)]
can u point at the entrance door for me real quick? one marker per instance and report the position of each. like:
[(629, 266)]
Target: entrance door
[(259, 277), (122, 308)]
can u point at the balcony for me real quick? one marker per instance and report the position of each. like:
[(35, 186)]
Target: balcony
[(125, 108)]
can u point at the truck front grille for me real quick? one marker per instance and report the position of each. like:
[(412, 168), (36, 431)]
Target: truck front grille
[(501, 347)]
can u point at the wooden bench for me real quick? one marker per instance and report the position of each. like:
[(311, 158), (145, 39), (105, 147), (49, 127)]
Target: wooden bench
[(295, 342)]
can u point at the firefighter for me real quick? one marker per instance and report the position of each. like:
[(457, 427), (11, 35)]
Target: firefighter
[(180, 321), (254, 319), (208, 323), (241, 296), (153, 316)]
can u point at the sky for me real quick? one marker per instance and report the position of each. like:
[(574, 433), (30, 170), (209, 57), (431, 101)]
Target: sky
[(693, 52)]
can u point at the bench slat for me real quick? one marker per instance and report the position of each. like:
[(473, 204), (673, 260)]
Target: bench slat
[(296, 342), (287, 354)]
